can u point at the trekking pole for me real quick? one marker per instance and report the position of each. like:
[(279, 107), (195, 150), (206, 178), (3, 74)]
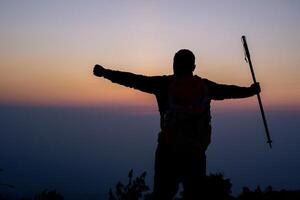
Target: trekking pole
[(248, 60)]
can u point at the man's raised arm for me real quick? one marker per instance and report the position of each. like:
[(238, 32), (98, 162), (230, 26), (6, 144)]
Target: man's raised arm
[(221, 91), (144, 83)]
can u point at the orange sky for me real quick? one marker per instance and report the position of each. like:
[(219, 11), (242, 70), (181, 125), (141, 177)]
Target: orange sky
[(47, 51)]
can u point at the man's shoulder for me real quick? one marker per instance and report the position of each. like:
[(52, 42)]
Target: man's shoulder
[(204, 79), (167, 76), (211, 85)]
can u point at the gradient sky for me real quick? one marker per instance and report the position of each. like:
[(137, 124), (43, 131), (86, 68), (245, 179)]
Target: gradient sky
[(48, 48)]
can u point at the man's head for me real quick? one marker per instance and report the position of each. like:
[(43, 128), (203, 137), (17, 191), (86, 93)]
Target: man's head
[(184, 62)]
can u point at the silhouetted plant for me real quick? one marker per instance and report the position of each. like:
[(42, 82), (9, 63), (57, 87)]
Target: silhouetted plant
[(246, 194), (132, 191), (49, 195), (216, 187), (268, 194)]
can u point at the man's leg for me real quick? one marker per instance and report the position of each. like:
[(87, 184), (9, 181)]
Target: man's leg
[(166, 177), (194, 172)]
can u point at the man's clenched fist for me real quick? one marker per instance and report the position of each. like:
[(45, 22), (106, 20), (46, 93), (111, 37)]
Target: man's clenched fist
[(98, 70)]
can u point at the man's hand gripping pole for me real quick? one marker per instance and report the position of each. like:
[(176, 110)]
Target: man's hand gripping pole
[(248, 59)]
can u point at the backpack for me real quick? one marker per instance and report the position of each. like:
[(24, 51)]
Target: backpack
[(186, 123)]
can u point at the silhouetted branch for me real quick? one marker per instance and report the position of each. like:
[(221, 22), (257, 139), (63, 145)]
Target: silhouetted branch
[(132, 191)]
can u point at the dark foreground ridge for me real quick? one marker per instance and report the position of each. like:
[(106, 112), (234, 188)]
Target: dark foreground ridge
[(216, 187)]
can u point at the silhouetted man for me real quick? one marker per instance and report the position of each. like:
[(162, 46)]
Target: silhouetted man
[(184, 105)]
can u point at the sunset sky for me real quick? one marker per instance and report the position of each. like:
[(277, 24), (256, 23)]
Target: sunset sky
[(48, 48), (63, 127)]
